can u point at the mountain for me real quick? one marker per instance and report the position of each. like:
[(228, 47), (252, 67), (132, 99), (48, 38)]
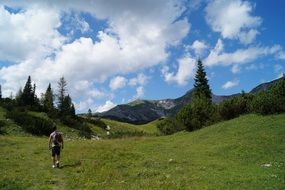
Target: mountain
[(144, 111), (264, 86)]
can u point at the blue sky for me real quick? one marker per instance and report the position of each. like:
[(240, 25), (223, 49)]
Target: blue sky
[(115, 51)]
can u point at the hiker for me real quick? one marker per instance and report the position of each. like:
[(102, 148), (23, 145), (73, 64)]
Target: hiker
[(55, 143)]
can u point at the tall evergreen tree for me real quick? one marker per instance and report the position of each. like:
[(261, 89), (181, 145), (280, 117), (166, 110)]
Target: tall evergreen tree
[(48, 99), (61, 94), (201, 86), (28, 95), (89, 113), (72, 110), (66, 107), (19, 96), (201, 106)]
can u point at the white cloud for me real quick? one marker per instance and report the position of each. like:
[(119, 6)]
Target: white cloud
[(230, 84), (141, 79), (140, 92), (107, 106), (235, 69), (217, 56), (118, 82), (137, 37), (186, 68), (29, 34), (199, 47), (233, 19)]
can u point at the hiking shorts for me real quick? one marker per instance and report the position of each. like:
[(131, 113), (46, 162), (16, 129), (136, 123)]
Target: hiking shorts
[(55, 151)]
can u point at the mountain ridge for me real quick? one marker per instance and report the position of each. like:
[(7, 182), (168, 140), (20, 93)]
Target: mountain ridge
[(142, 111)]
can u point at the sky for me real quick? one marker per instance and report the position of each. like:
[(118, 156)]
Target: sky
[(115, 51)]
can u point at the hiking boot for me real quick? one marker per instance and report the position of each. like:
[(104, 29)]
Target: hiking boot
[(57, 164)]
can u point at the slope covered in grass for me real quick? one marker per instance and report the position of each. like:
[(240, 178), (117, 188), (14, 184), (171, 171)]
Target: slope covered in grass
[(149, 128), (244, 153)]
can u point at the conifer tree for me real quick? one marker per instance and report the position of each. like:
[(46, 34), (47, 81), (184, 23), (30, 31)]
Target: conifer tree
[(201, 86), (61, 94), (89, 113), (201, 106), (48, 99), (19, 96), (72, 110), (27, 97)]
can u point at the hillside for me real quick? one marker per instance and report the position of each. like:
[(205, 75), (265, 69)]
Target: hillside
[(144, 111), (244, 153)]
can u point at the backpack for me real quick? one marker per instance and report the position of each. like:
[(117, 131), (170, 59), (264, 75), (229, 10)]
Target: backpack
[(56, 138)]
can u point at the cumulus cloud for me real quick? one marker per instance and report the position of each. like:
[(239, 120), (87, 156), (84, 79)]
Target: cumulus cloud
[(118, 82), (198, 47), (217, 55), (140, 92), (186, 69), (136, 36), (141, 79), (107, 106), (230, 84), (233, 19), (29, 34)]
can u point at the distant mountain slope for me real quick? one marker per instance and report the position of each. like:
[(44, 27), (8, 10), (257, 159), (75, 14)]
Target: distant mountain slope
[(264, 86), (144, 111)]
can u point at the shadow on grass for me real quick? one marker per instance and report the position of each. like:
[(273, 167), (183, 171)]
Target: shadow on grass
[(72, 165)]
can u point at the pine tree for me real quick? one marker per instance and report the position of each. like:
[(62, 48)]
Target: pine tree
[(19, 96), (89, 113), (28, 95), (48, 99), (72, 110), (62, 90), (66, 107), (201, 106), (201, 86)]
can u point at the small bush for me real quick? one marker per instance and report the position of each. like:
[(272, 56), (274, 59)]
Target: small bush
[(201, 113), (31, 124), (170, 126), (85, 131), (271, 101), (95, 121), (236, 106)]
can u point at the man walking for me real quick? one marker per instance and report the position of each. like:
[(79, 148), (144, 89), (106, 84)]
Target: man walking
[(55, 143)]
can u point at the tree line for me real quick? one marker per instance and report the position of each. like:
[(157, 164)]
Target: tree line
[(57, 106), (202, 112), (54, 104)]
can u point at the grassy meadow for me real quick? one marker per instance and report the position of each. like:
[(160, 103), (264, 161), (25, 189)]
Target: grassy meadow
[(244, 153)]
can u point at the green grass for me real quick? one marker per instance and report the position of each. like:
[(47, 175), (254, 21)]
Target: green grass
[(149, 128), (228, 155)]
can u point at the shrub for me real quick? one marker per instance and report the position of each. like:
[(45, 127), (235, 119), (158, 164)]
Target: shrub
[(85, 131), (271, 101), (236, 106), (170, 126), (184, 115), (267, 103), (31, 124), (95, 121), (201, 113)]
